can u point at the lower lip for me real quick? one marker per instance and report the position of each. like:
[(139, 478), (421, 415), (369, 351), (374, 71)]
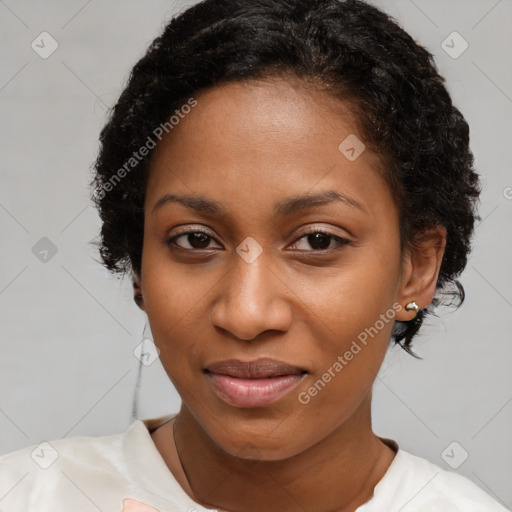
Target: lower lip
[(253, 392)]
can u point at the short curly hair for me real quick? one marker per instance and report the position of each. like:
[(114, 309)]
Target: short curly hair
[(350, 49)]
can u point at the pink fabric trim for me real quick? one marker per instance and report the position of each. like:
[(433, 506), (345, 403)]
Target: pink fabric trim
[(130, 505)]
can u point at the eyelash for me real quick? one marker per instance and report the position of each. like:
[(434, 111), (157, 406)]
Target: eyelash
[(340, 240)]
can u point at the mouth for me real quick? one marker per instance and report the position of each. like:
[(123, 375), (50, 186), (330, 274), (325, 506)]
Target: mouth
[(254, 383)]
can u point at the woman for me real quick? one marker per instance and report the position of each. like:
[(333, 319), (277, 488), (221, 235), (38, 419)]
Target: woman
[(290, 187)]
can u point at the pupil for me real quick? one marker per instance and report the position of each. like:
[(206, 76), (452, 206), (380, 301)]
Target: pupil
[(316, 239), (198, 240)]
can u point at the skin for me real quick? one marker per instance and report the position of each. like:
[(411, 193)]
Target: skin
[(249, 146)]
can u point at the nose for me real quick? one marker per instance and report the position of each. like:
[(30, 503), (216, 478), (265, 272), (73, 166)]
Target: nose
[(251, 299)]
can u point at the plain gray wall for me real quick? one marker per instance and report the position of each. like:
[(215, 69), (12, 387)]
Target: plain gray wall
[(68, 329)]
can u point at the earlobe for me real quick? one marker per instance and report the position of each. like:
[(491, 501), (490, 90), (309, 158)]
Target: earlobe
[(421, 271), (137, 292)]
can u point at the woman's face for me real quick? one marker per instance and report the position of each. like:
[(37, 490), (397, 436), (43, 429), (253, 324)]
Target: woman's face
[(262, 168)]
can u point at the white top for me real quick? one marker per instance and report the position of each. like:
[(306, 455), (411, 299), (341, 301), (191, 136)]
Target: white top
[(125, 472)]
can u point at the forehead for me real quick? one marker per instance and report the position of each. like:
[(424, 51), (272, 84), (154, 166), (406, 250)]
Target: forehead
[(282, 111), (267, 139)]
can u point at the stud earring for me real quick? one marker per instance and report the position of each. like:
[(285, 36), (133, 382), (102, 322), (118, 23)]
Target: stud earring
[(412, 306)]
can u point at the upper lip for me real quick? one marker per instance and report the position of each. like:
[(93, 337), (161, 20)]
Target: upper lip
[(257, 369)]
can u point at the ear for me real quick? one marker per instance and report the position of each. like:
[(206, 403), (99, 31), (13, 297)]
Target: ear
[(420, 271), (137, 291)]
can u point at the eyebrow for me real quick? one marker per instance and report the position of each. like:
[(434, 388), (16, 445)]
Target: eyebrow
[(281, 209)]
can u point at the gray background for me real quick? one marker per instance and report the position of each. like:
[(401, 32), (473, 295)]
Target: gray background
[(68, 329)]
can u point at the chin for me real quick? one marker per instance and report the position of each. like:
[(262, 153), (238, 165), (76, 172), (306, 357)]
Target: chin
[(258, 446)]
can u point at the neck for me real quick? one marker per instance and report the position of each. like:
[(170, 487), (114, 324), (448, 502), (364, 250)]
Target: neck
[(338, 473)]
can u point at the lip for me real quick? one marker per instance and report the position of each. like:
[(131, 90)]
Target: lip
[(253, 383)]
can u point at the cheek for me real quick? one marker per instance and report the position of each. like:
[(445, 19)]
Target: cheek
[(346, 359), (353, 296), (176, 298), (356, 318)]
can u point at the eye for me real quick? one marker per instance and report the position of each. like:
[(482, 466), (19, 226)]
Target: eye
[(192, 240), (317, 239), (320, 240)]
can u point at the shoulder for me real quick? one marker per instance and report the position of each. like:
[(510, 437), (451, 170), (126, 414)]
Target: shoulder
[(54, 468), (89, 473), (426, 487)]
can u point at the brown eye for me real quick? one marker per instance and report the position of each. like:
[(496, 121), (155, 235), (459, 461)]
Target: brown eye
[(198, 240), (320, 241), (191, 240)]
